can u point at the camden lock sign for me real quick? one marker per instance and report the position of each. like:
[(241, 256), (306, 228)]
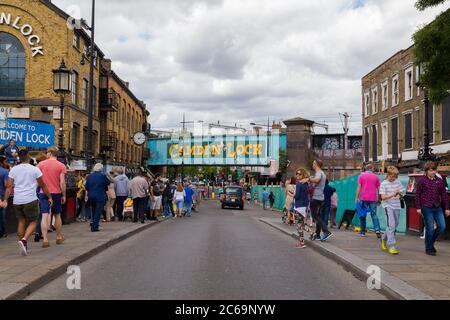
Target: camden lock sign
[(26, 30)]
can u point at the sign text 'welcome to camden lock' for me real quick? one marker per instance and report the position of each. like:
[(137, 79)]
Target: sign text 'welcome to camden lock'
[(26, 30)]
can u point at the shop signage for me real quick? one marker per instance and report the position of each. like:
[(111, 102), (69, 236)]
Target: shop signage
[(12, 112), (28, 133), (25, 29), (78, 165)]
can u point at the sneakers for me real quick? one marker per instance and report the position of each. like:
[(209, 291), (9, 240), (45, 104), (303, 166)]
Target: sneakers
[(300, 246), (23, 246), (431, 253), (393, 251), (378, 234), (384, 245), (326, 237)]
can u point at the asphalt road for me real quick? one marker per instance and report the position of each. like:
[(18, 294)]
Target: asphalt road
[(216, 254)]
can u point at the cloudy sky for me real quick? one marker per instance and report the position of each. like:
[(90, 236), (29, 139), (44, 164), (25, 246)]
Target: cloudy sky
[(240, 61)]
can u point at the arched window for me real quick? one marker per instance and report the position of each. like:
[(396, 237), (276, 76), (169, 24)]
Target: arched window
[(12, 67)]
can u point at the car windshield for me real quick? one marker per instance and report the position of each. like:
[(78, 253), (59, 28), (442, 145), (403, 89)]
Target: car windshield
[(233, 191)]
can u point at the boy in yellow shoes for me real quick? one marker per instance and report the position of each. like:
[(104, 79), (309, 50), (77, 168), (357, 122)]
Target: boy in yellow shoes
[(390, 191)]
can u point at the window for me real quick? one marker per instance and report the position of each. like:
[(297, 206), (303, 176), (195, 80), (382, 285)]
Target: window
[(74, 138), (408, 131), (395, 92), (374, 101), (394, 137), (409, 84), (76, 40), (124, 113), (74, 88), (418, 79), (12, 67), (85, 95), (384, 93), (446, 119), (374, 143)]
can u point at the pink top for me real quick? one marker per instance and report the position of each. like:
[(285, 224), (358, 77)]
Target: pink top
[(51, 173), (369, 183)]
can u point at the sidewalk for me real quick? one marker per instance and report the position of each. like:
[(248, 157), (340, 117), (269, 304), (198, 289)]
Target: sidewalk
[(19, 276), (411, 275)]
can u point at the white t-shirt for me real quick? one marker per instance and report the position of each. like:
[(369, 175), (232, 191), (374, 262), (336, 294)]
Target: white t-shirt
[(388, 188), (179, 196), (25, 176)]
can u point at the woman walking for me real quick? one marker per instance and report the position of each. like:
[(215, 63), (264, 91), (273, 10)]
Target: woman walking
[(111, 193), (301, 205), (290, 195), (179, 196), (430, 196)]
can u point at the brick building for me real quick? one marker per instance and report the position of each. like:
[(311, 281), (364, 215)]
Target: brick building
[(34, 39), (393, 115)]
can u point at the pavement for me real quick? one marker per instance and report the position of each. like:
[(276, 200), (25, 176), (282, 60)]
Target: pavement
[(19, 276), (215, 255), (411, 275)]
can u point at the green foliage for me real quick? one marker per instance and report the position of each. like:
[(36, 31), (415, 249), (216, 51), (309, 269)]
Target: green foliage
[(432, 51), (423, 4), (283, 161)]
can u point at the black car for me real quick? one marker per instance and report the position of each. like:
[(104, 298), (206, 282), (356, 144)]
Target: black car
[(233, 196)]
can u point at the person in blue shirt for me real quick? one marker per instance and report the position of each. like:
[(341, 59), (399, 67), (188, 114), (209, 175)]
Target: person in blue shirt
[(189, 199), (11, 152), (328, 193), (3, 179), (265, 198), (96, 186)]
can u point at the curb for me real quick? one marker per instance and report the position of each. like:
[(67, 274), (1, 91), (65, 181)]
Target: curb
[(20, 291), (391, 286)]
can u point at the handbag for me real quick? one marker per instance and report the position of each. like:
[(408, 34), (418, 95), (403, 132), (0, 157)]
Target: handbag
[(402, 202)]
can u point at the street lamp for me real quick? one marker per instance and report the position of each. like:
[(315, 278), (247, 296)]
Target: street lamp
[(426, 153), (61, 86)]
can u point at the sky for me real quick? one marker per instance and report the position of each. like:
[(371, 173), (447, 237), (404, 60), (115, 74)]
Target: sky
[(242, 61)]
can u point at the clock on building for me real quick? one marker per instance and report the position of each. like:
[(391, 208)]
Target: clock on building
[(139, 138)]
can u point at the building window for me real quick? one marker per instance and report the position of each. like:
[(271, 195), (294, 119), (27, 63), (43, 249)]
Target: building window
[(76, 40), (12, 67), (124, 113), (374, 101), (74, 138), (395, 91), (408, 131), (409, 84), (446, 119), (417, 80), (74, 92), (394, 137), (374, 143), (85, 94), (384, 93)]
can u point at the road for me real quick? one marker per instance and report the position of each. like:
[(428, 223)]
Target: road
[(217, 254)]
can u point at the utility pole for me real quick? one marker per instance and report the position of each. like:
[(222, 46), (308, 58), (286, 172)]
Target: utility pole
[(89, 151), (346, 130)]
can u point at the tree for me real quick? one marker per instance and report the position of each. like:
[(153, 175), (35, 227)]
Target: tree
[(432, 51)]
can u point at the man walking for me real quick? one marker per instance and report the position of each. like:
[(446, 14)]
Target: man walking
[(139, 191), (367, 191), (97, 184), (188, 200), (168, 200), (318, 198), (121, 183), (11, 152), (23, 178), (156, 197), (265, 198), (53, 175)]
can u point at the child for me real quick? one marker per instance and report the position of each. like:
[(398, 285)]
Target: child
[(390, 191), (301, 205)]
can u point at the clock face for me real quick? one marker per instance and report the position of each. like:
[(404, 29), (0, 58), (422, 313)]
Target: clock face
[(139, 138)]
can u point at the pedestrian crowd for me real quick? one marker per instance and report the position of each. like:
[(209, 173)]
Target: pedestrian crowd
[(37, 192)]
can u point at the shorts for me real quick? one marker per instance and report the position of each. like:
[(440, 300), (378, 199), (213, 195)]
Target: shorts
[(156, 205), (44, 206), (29, 211), (180, 204)]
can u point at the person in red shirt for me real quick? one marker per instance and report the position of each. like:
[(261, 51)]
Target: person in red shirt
[(53, 173)]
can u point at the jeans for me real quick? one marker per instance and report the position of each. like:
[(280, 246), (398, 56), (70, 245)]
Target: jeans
[(316, 209), (373, 213), (432, 215), (119, 207), (167, 205), (85, 212), (393, 219), (2, 222), (188, 205), (97, 210), (264, 204), (38, 230), (326, 214), (138, 209)]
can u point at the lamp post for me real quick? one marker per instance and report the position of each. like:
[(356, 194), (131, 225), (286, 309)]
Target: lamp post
[(426, 153), (61, 86)]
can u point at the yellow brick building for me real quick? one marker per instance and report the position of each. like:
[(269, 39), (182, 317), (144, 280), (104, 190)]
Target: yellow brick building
[(34, 38)]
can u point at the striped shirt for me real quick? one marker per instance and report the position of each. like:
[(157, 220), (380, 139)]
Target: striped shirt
[(388, 188)]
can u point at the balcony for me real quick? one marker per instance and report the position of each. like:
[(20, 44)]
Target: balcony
[(109, 100), (109, 141)]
